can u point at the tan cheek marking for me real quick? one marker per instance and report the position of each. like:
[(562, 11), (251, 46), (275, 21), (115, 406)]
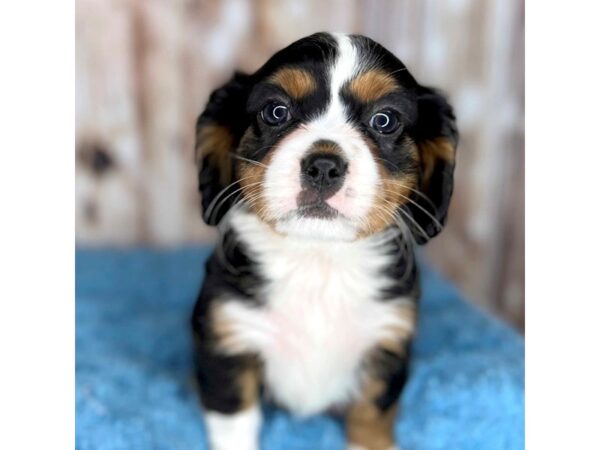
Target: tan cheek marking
[(366, 425), (393, 191), (215, 142), (432, 151), (252, 178), (372, 85), (297, 83)]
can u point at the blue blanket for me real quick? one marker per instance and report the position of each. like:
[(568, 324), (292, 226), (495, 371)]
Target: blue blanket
[(134, 385)]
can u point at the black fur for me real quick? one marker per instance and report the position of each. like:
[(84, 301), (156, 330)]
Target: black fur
[(392, 369)]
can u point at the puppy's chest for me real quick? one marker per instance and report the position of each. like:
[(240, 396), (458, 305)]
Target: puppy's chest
[(320, 313), (319, 303)]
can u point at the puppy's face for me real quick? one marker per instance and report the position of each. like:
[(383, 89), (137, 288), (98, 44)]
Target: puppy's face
[(331, 138)]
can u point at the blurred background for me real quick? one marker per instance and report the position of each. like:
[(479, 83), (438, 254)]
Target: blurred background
[(145, 68)]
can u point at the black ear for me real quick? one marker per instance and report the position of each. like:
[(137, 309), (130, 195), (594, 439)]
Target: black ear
[(218, 132), (436, 138)]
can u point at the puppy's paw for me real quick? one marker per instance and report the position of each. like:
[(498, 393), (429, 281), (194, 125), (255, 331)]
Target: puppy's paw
[(239, 431)]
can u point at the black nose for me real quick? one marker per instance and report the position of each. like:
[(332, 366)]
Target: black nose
[(324, 171)]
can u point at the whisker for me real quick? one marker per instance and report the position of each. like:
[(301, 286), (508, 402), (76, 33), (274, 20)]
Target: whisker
[(416, 191), (404, 240), (398, 70), (250, 161), (222, 202), (222, 192), (433, 218), (408, 216)]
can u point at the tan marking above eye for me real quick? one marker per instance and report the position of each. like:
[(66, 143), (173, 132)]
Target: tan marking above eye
[(297, 83), (372, 85)]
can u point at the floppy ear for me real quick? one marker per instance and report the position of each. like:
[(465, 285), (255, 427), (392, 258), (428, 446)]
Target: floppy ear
[(218, 132), (437, 138)]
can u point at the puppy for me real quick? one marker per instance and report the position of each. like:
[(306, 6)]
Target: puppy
[(323, 171)]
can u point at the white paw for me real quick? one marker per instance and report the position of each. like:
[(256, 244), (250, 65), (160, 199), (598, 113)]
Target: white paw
[(238, 431)]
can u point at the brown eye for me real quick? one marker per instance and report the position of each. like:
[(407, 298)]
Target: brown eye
[(384, 122), (275, 113)]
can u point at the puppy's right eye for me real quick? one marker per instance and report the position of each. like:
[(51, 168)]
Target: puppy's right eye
[(275, 113)]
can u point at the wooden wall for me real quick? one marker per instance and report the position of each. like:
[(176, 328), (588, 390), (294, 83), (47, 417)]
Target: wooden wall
[(144, 70)]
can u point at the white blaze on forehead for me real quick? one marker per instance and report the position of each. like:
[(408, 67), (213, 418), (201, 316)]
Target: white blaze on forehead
[(344, 69)]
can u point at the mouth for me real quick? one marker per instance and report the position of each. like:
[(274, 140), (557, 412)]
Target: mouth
[(311, 204), (314, 218), (320, 210)]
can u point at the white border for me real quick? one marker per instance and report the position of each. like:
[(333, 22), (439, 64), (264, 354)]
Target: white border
[(37, 225), (563, 225)]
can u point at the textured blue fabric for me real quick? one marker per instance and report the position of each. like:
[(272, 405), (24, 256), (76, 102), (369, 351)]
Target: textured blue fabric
[(135, 389)]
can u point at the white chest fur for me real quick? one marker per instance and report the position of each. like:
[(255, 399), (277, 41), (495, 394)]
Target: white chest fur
[(320, 314)]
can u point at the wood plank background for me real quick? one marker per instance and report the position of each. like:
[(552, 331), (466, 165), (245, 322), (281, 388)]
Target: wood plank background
[(144, 70)]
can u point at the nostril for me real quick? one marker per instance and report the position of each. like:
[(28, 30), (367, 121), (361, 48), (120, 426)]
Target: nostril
[(334, 173), (313, 172)]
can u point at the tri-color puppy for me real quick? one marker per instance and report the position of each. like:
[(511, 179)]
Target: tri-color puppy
[(323, 171)]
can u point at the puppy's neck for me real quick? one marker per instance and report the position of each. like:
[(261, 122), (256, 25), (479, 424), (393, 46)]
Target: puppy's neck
[(257, 233)]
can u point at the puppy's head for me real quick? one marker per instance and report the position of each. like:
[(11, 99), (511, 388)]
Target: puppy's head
[(332, 138)]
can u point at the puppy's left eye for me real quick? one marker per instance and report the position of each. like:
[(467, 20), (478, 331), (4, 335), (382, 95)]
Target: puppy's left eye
[(384, 122), (275, 113)]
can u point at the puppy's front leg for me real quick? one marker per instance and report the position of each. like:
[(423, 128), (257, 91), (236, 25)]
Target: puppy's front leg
[(229, 394), (370, 427), (235, 431), (370, 420)]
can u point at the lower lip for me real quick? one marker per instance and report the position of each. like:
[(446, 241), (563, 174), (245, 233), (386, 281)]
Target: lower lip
[(320, 211)]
